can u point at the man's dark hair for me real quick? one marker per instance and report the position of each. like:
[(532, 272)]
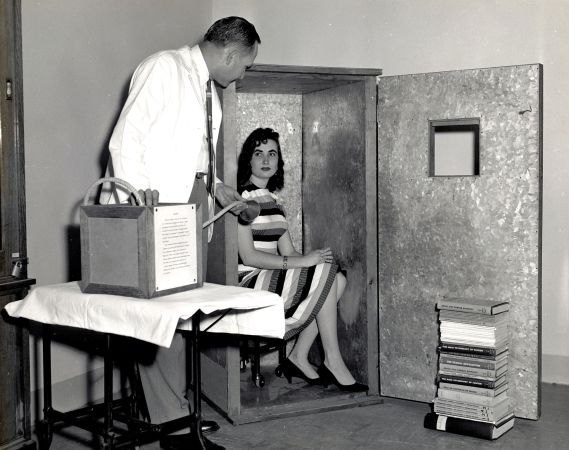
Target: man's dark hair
[(232, 30), (253, 141)]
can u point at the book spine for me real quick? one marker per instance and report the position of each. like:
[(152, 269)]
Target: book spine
[(491, 415), (490, 384), (455, 425), (452, 369), (464, 307), (466, 397), (473, 341), (468, 349), (488, 322), (482, 416), (470, 389), (496, 358), (472, 363)]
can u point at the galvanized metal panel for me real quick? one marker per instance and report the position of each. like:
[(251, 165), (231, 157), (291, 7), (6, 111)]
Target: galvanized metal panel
[(459, 236)]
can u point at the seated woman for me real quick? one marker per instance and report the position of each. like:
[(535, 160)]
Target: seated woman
[(310, 285)]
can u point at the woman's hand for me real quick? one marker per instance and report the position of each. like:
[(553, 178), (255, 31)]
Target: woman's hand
[(320, 256)]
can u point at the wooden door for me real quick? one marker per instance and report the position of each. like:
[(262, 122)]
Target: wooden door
[(477, 235), (12, 198), (15, 424), (15, 429)]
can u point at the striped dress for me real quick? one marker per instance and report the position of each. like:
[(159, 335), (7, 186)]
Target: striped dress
[(303, 290)]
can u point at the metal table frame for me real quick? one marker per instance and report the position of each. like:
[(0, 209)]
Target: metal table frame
[(124, 411)]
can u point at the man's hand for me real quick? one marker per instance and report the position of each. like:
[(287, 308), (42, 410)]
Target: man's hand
[(226, 195), (148, 196)]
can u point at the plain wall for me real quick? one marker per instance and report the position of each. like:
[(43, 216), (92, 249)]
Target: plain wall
[(78, 57), (416, 36)]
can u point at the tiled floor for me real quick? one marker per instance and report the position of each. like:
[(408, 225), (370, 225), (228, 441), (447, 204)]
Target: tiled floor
[(393, 425)]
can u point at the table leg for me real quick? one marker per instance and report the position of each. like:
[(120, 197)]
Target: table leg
[(108, 393), (197, 438), (45, 426)]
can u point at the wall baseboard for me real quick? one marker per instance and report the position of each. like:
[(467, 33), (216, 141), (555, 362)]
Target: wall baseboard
[(555, 369)]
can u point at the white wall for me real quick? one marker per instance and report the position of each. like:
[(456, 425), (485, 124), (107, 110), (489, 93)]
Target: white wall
[(78, 56), (415, 36)]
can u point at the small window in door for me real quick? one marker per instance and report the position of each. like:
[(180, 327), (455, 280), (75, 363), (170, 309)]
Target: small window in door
[(454, 147)]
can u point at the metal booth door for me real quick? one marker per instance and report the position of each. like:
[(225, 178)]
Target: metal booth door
[(469, 234)]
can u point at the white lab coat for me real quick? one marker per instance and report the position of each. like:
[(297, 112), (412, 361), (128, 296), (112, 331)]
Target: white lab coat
[(159, 141)]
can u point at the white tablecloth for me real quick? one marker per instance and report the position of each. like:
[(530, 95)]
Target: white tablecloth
[(252, 312)]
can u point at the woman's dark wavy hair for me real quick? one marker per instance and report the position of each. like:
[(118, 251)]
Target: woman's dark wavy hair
[(258, 136)]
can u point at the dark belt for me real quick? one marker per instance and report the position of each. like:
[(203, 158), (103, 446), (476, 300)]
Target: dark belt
[(200, 175)]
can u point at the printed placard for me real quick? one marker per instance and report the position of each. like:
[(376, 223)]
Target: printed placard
[(175, 243)]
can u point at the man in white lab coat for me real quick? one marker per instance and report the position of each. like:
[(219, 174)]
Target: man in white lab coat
[(160, 146)]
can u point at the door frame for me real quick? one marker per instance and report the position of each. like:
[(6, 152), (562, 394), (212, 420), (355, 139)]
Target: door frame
[(12, 167)]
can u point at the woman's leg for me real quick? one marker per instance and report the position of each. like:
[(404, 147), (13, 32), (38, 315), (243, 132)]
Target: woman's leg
[(341, 286), (299, 353), (326, 324)]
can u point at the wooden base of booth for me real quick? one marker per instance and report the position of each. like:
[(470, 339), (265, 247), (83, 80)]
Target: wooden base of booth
[(278, 398)]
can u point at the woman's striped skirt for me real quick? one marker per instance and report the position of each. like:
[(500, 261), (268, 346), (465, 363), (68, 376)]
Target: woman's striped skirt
[(303, 291)]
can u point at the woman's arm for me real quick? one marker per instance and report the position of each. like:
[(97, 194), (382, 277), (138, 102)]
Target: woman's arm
[(263, 260), (286, 246)]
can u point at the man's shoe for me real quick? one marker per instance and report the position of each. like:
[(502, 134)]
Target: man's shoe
[(184, 441), (209, 426)]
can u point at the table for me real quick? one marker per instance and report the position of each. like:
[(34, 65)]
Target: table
[(215, 308)]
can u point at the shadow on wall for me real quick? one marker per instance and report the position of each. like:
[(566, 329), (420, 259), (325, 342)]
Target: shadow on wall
[(72, 231), (73, 253), (104, 151)]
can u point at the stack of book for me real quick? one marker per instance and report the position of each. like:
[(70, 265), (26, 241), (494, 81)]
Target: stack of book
[(472, 396)]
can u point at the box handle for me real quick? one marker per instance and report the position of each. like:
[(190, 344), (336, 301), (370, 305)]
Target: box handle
[(118, 181)]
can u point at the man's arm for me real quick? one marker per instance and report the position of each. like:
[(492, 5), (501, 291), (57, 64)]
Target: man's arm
[(226, 195)]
